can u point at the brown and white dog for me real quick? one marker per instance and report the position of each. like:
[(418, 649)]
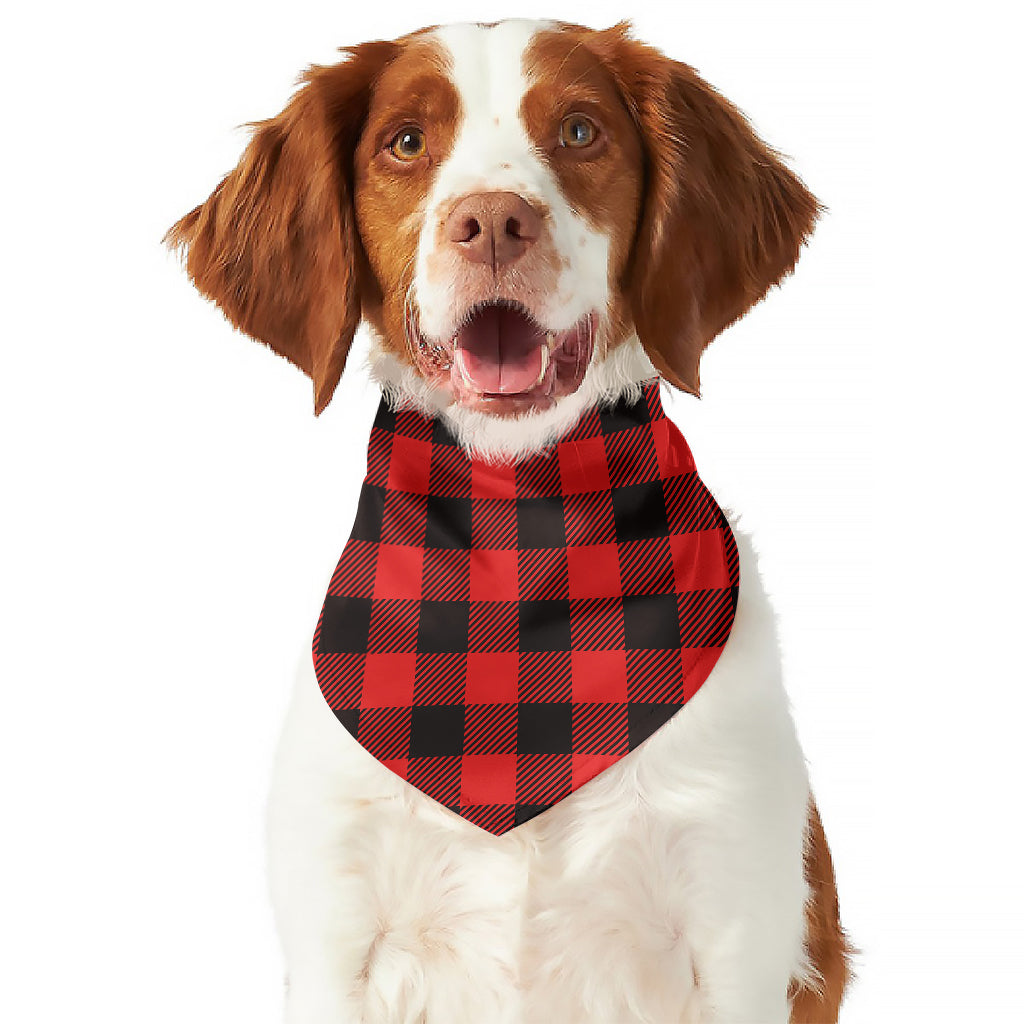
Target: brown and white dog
[(610, 213)]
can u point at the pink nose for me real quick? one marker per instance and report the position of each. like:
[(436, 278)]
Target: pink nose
[(492, 227)]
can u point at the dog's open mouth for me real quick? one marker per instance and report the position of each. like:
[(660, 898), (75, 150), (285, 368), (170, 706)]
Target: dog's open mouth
[(500, 358)]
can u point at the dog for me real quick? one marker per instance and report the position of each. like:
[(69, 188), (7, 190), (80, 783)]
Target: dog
[(535, 220)]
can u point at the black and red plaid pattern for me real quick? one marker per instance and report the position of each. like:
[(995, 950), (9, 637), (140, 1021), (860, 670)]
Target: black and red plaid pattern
[(499, 635)]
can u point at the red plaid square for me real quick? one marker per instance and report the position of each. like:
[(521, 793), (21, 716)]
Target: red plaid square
[(594, 571), (493, 481), (399, 571), (493, 575), (583, 466), (599, 676), (356, 571), (697, 561), (492, 678), (388, 680), (410, 465), (488, 779)]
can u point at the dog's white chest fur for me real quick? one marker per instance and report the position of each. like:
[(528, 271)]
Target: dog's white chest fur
[(630, 899)]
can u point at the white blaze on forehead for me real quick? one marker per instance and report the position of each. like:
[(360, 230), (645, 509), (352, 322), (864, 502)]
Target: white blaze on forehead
[(493, 152)]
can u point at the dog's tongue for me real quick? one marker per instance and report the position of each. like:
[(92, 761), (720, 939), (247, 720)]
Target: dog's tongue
[(501, 351)]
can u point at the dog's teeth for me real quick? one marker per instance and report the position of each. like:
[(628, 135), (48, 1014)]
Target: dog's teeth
[(545, 359)]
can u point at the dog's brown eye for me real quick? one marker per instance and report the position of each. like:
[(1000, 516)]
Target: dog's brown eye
[(577, 132), (409, 144)]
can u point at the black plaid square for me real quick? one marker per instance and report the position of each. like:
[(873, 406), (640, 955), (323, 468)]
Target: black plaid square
[(446, 574), (369, 514), (544, 626), (494, 524), (540, 523), (624, 417), (344, 625), (449, 522), (651, 620), (443, 626), (437, 730), (639, 512), (385, 418), (544, 729)]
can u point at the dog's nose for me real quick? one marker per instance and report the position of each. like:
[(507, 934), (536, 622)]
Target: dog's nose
[(493, 227)]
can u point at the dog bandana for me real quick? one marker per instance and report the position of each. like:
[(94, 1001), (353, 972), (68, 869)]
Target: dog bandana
[(499, 635)]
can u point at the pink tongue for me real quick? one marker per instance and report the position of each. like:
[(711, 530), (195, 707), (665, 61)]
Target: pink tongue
[(500, 350)]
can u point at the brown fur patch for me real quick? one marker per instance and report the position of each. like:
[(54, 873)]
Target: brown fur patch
[(828, 947), (275, 244), (723, 219), (415, 89)]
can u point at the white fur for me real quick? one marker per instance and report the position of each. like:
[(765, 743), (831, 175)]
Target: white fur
[(669, 888)]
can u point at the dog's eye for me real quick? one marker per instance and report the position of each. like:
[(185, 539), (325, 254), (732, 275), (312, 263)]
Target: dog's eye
[(577, 132), (409, 144)]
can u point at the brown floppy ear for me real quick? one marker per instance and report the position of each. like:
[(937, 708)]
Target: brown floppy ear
[(723, 218), (275, 245)]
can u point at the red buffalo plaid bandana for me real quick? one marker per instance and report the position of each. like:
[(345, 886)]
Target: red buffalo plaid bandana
[(499, 635)]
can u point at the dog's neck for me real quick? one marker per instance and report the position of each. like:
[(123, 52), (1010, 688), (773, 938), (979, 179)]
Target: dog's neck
[(620, 374)]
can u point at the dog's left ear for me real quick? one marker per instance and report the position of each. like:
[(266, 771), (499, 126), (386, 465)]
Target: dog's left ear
[(275, 245), (723, 218)]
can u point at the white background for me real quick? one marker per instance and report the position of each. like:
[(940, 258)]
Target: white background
[(171, 509)]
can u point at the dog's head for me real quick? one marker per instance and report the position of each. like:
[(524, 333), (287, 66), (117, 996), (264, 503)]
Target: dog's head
[(524, 213)]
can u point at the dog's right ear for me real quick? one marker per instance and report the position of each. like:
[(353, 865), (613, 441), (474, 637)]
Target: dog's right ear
[(275, 245)]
